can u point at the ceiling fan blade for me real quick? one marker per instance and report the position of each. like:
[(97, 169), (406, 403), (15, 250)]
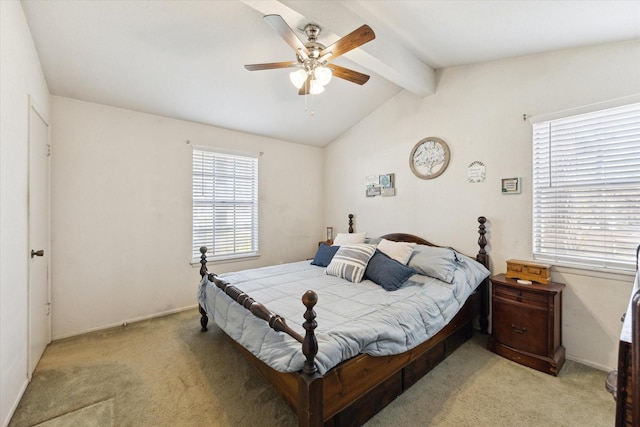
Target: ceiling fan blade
[(349, 42), (278, 23), (270, 65), (348, 74)]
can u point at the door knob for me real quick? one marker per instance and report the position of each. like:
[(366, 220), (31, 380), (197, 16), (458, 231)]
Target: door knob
[(37, 253)]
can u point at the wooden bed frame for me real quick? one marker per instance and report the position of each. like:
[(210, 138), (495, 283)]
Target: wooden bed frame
[(355, 390), (624, 383)]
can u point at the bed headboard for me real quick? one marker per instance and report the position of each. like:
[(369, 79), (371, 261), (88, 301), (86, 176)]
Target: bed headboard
[(481, 256)]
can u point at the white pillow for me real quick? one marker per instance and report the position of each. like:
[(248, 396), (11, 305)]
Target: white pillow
[(400, 251), (349, 238)]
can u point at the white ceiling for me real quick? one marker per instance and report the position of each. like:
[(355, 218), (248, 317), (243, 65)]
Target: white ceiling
[(184, 59)]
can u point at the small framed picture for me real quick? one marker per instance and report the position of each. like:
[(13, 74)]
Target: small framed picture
[(329, 233), (386, 181), (373, 191), (511, 186)]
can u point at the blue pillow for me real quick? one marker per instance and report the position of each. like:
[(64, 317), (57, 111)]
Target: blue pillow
[(324, 255), (387, 272)]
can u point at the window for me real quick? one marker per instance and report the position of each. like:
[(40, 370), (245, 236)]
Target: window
[(586, 189), (225, 204)]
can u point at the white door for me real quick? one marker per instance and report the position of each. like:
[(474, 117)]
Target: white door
[(39, 307)]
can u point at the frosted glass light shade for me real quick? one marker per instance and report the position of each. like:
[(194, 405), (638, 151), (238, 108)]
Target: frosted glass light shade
[(298, 77), (316, 88), (323, 75)]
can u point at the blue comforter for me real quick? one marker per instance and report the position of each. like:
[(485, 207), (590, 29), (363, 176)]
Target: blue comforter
[(352, 318)]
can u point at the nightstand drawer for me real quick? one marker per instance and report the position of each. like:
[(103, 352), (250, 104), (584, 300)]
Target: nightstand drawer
[(521, 327), (530, 298)]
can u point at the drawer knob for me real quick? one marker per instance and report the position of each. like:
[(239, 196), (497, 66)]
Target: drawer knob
[(518, 331)]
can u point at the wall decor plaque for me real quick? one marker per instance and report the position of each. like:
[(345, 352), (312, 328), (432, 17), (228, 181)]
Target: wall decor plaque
[(511, 186), (476, 172)]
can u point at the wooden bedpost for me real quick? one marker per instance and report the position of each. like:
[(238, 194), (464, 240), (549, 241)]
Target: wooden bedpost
[(350, 223), (483, 259), (310, 389), (204, 320)]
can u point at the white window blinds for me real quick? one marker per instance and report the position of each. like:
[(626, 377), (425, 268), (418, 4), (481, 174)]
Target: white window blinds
[(225, 204), (586, 189)]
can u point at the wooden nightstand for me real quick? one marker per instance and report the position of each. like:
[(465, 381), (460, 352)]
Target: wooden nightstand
[(527, 323)]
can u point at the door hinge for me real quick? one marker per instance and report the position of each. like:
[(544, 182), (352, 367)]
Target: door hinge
[(48, 308), (48, 150)]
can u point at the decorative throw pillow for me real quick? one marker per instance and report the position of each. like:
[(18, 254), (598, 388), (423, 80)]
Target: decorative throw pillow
[(350, 261), (387, 272), (324, 255), (436, 262), (400, 251), (349, 238)]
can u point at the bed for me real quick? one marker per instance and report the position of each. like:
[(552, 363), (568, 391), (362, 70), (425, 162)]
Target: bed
[(331, 373)]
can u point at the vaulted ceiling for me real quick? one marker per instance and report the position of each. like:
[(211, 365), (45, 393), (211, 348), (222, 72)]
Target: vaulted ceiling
[(184, 59)]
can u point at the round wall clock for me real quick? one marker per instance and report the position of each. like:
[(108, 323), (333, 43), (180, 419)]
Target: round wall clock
[(429, 158)]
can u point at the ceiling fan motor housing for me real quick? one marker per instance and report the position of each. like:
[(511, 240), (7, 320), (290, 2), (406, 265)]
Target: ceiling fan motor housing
[(312, 31)]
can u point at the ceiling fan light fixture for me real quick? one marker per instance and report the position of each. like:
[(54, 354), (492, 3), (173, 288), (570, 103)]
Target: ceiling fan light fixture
[(323, 75), (315, 88), (298, 77)]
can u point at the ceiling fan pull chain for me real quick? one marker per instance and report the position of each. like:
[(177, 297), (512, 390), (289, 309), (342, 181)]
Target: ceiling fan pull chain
[(308, 104)]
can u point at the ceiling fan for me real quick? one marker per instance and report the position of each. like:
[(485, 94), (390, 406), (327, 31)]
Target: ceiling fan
[(314, 69)]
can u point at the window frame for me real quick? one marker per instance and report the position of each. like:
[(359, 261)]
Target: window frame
[(605, 262), (249, 192)]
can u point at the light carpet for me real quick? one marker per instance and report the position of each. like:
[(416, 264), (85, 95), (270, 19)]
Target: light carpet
[(165, 372)]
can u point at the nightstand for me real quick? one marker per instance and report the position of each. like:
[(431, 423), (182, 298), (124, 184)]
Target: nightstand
[(526, 323)]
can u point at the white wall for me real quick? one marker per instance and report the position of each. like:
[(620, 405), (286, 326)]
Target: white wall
[(121, 211), (20, 77), (478, 110)]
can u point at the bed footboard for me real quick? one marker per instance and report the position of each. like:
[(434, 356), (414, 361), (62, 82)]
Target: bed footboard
[(310, 387), (275, 321)]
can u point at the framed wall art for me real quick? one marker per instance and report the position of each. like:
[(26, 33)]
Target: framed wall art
[(429, 158), (511, 186), (380, 185)]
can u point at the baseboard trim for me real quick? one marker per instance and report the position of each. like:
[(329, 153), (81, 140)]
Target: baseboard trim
[(123, 322), (589, 363), (12, 411)]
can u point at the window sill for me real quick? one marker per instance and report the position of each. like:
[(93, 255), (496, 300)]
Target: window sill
[(600, 273)]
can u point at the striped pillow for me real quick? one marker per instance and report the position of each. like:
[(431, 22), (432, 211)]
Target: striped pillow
[(351, 261)]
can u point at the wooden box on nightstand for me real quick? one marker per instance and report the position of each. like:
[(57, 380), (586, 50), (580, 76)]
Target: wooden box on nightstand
[(527, 323), (528, 270)]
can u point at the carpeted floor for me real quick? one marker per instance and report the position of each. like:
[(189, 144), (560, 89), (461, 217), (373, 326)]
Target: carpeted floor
[(164, 372)]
